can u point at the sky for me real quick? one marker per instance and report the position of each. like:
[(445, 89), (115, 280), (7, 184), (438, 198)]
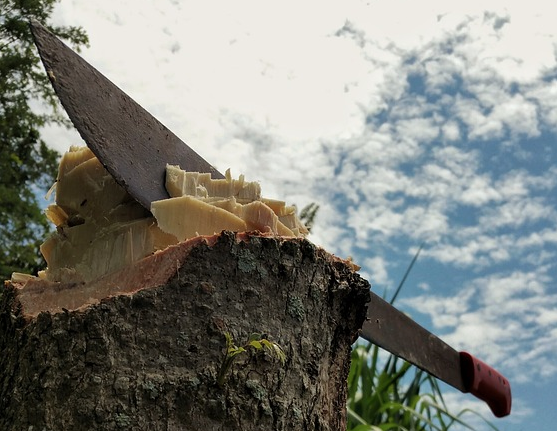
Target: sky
[(429, 122)]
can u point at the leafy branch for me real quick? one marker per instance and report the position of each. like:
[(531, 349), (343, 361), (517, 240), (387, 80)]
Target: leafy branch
[(308, 214), (256, 343)]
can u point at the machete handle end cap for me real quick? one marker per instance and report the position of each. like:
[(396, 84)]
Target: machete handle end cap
[(487, 384)]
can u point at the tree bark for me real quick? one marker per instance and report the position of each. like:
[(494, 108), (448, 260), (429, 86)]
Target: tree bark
[(147, 357)]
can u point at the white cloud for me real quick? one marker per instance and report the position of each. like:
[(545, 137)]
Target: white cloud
[(420, 129), (378, 273), (546, 98), (479, 192), (366, 220), (495, 111), (451, 131), (517, 212), (479, 124), (539, 238), (443, 311), (496, 290)]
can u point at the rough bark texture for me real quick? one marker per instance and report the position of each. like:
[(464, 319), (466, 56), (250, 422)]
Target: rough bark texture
[(149, 360)]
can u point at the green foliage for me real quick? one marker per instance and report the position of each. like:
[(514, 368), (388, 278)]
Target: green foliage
[(27, 166), (308, 214), (386, 393), (256, 343)]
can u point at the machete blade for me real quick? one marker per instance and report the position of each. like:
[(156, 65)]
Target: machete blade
[(394, 331), (131, 144), (397, 333)]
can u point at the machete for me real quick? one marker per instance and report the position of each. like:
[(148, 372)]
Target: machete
[(135, 148)]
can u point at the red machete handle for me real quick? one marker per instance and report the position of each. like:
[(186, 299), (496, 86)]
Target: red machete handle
[(487, 384)]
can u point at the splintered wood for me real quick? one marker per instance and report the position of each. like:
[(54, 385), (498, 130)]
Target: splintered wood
[(100, 228)]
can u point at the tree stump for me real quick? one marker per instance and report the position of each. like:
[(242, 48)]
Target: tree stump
[(145, 352)]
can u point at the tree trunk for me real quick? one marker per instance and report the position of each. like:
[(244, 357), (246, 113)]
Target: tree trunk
[(148, 355)]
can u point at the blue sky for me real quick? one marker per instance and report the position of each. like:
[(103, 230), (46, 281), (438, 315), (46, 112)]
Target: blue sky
[(407, 122)]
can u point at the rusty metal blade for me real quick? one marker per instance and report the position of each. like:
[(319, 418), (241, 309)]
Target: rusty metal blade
[(132, 144), (395, 332)]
